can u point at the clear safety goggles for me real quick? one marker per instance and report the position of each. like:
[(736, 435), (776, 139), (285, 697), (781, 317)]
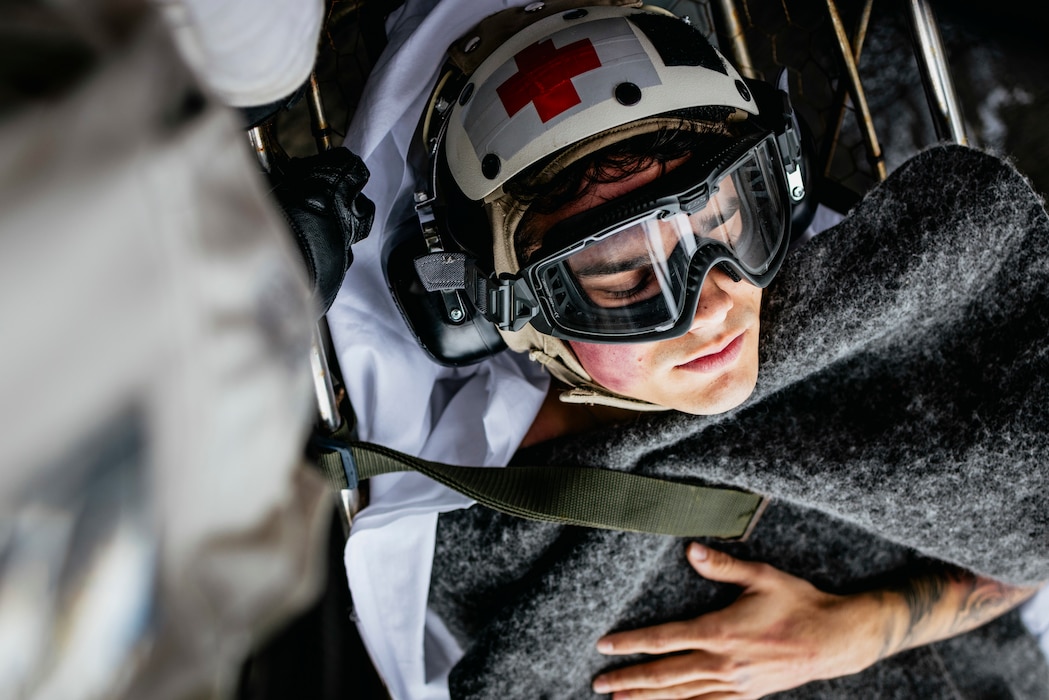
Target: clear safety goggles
[(639, 278)]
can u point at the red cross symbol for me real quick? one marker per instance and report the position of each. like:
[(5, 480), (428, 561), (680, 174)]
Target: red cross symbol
[(545, 75)]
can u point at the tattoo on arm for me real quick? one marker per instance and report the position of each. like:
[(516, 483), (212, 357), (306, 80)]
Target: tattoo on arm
[(946, 603), (921, 596), (986, 599)]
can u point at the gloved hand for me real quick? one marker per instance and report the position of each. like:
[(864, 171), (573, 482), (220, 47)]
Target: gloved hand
[(326, 211)]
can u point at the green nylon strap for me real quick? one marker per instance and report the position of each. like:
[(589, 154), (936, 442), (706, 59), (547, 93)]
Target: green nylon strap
[(575, 495), (325, 451)]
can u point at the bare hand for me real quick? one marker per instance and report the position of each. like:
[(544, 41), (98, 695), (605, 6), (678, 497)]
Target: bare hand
[(780, 633)]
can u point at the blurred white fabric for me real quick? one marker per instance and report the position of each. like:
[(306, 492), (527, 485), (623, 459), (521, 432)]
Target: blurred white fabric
[(156, 515), (247, 52), (1035, 616)]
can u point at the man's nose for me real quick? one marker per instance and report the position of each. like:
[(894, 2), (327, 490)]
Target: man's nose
[(714, 300)]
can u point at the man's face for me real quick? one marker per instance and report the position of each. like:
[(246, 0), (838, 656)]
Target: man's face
[(710, 369)]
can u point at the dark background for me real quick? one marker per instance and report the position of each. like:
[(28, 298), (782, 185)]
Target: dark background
[(996, 51)]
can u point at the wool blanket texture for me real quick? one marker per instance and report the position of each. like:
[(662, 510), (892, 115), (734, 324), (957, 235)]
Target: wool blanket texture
[(900, 420)]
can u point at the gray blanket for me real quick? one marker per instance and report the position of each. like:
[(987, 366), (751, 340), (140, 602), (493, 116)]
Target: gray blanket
[(900, 418)]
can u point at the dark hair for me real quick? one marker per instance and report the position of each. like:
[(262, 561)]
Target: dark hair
[(545, 194)]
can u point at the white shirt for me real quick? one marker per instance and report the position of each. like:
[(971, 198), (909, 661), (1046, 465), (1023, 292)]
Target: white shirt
[(475, 415)]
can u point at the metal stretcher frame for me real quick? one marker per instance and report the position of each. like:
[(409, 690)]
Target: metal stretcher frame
[(323, 364), (930, 55)]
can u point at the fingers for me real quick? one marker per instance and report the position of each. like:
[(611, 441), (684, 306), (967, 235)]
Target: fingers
[(688, 635), (718, 566), (682, 676), (658, 639), (692, 691), (701, 632)]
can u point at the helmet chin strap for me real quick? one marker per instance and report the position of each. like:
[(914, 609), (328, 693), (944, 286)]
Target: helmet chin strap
[(559, 360), (557, 357)]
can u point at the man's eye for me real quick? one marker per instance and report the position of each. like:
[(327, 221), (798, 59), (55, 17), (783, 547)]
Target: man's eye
[(623, 292), (634, 291), (719, 228)]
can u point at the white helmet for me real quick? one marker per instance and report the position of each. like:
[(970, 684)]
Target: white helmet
[(572, 74), (539, 87)]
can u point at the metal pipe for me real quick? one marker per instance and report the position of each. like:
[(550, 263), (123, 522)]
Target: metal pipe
[(323, 387), (936, 75), (327, 405), (318, 121), (842, 93), (861, 30), (352, 500), (874, 154), (268, 151), (733, 31), (258, 138)]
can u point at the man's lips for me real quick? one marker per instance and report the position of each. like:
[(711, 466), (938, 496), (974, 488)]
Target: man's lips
[(718, 359)]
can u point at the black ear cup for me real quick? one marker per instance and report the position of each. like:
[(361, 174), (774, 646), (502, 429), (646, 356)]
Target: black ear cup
[(445, 324)]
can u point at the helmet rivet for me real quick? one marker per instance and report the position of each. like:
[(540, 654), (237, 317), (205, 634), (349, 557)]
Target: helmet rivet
[(464, 96), (456, 314), (627, 94), (798, 192), (744, 91), (535, 6), (575, 14), (471, 44), (490, 166)]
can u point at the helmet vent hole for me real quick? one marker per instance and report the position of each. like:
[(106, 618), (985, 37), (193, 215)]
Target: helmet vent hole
[(575, 14), (465, 95), (490, 166), (627, 94), (744, 91)]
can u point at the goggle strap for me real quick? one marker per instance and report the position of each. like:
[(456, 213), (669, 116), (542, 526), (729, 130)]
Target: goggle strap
[(508, 303)]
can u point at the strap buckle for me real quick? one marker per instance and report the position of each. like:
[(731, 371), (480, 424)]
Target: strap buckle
[(349, 464)]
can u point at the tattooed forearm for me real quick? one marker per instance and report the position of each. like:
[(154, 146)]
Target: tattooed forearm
[(943, 604), (922, 595), (985, 599)]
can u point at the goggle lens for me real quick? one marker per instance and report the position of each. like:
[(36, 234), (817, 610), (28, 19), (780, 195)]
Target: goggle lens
[(635, 278)]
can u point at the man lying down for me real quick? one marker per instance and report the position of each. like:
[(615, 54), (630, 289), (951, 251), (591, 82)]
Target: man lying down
[(885, 384)]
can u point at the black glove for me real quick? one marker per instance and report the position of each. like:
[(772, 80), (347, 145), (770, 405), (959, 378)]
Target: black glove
[(322, 201)]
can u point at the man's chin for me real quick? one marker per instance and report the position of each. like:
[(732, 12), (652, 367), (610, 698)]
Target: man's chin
[(717, 399)]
